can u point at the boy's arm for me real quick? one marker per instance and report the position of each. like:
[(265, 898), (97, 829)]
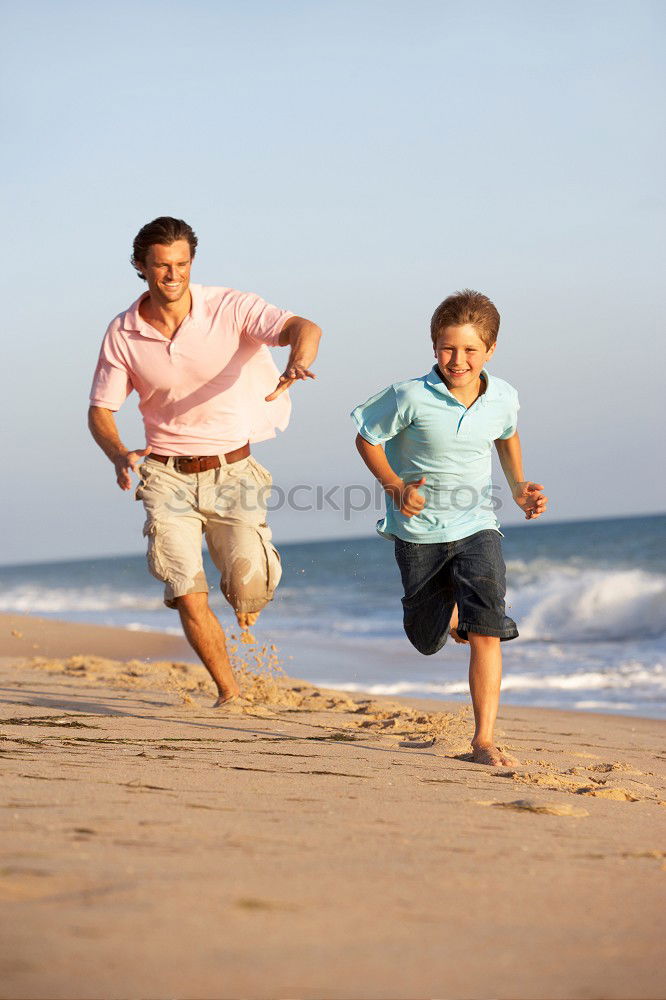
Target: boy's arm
[(405, 494), (526, 494)]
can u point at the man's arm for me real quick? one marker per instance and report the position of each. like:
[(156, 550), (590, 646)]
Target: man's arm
[(102, 425), (525, 493), (405, 494), (303, 337)]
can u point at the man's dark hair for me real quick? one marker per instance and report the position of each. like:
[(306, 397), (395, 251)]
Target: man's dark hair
[(164, 231)]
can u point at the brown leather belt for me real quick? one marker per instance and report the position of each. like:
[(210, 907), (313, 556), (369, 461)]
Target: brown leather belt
[(189, 464)]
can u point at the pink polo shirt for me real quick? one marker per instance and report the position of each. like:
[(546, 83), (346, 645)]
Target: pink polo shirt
[(202, 392)]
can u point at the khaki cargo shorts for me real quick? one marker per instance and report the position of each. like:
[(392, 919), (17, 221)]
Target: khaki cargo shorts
[(227, 506)]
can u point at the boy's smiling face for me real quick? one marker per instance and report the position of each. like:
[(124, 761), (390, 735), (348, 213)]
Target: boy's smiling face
[(461, 354)]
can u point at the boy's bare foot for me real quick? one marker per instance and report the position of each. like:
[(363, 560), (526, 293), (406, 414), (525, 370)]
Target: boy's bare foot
[(488, 753), (246, 619), (453, 628)]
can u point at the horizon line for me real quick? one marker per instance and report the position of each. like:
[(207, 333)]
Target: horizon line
[(339, 538)]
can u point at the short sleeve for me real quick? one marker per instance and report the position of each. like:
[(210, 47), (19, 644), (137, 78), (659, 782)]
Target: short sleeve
[(380, 418), (111, 382), (259, 320), (511, 417)]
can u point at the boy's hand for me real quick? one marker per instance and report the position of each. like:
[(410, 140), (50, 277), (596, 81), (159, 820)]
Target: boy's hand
[(411, 501), (530, 499)]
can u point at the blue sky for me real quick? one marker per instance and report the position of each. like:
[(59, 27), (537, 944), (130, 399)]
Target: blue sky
[(354, 162)]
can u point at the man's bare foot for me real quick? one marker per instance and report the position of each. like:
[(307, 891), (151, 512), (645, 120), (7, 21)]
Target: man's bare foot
[(488, 753), (227, 696), (246, 619), (453, 628)]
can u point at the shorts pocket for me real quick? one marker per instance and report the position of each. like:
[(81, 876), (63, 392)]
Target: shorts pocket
[(138, 493), (273, 565), (156, 563), (261, 474), (144, 474)]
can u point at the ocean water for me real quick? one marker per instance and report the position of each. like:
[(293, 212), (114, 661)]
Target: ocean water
[(589, 599)]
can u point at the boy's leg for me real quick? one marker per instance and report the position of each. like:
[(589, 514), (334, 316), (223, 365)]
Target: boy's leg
[(479, 581), (453, 629), (429, 599), (485, 675)]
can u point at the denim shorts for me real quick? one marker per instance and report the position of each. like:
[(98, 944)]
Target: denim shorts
[(469, 572)]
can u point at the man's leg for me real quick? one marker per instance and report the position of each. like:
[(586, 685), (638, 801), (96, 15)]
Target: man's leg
[(485, 675), (239, 539), (249, 567), (206, 637), (174, 531)]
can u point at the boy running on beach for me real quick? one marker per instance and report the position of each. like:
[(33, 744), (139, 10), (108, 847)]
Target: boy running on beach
[(428, 441)]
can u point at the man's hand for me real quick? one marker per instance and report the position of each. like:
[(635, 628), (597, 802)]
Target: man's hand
[(303, 337), (124, 462), (103, 428), (291, 374), (530, 499), (407, 495)]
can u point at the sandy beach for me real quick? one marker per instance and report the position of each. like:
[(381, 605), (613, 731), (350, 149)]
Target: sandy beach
[(311, 843)]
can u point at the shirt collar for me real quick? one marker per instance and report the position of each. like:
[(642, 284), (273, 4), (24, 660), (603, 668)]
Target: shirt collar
[(199, 314), (435, 381)]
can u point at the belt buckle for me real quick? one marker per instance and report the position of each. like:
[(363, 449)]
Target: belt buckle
[(179, 459)]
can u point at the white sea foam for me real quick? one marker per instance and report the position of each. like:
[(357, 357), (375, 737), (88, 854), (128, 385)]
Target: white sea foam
[(36, 599), (590, 705), (628, 676), (592, 605), (139, 627)]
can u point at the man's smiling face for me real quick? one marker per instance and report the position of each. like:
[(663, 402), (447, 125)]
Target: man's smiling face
[(167, 271), (461, 354)]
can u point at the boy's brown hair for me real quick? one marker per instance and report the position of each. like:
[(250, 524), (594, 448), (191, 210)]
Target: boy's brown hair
[(467, 306)]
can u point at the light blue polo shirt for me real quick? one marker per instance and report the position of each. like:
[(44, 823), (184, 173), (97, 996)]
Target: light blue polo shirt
[(427, 432)]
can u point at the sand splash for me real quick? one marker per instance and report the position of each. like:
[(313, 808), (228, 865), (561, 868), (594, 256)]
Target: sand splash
[(266, 689)]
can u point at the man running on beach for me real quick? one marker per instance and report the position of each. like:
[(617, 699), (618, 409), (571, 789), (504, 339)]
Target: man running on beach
[(198, 358)]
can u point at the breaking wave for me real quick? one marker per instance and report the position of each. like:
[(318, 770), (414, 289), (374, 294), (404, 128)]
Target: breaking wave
[(591, 606)]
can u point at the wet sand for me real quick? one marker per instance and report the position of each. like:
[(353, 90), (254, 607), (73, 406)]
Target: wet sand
[(311, 843)]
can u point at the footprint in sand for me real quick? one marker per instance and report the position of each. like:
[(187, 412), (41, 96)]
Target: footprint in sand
[(567, 782), (544, 808), (617, 794), (418, 744), (253, 903), (19, 885), (616, 766)]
